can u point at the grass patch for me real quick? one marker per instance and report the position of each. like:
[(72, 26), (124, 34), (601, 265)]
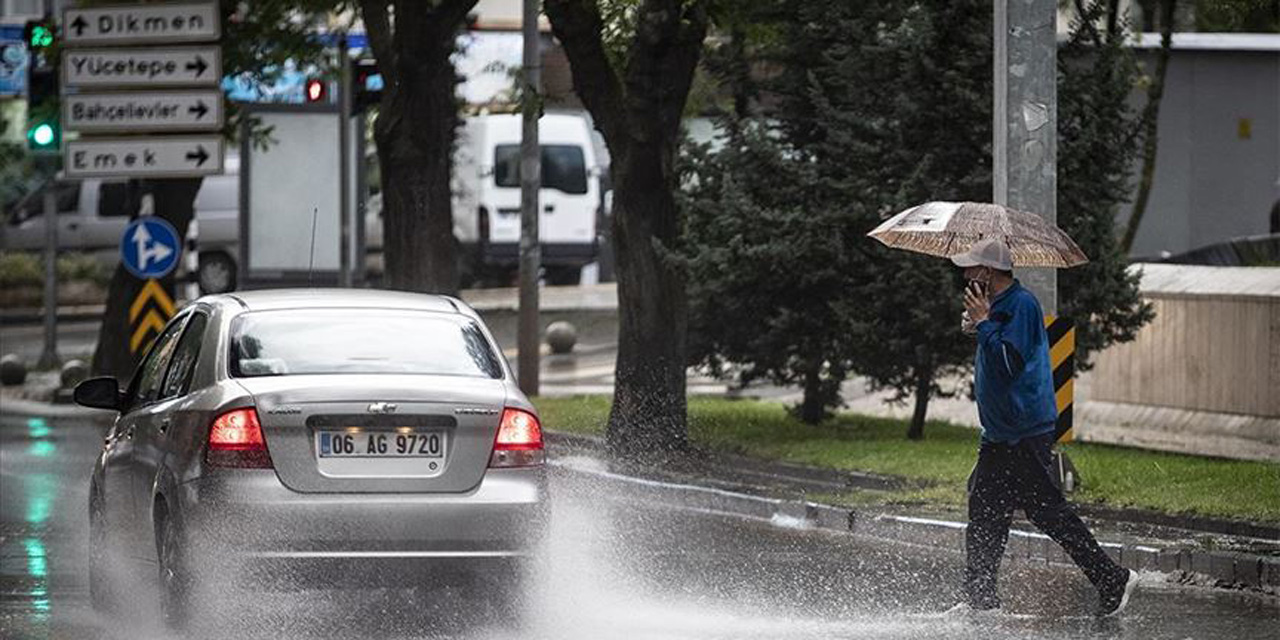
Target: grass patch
[(1115, 476)]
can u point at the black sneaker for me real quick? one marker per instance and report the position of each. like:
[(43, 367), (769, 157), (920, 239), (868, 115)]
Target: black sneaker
[(1116, 597)]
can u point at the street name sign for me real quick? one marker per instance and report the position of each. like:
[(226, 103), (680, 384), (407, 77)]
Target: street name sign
[(149, 247), (142, 24), (139, 111), (167, 157), (164, 67)]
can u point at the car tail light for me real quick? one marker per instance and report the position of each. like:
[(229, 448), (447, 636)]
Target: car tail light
[(235, 440), (519, 441)]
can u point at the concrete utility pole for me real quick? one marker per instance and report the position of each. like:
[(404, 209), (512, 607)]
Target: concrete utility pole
[(1026, 121), (530, 183), (344, 161), (49, 356)]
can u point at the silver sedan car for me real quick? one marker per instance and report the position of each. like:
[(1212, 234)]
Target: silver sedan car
[(337, 433)]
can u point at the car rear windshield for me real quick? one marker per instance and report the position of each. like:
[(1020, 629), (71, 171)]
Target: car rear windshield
[(563, 167), (345, 341)]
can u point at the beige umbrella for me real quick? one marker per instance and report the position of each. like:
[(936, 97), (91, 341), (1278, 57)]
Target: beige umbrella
[(946, 229)]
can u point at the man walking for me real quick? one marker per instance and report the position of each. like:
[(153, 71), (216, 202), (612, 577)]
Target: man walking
[(1014, 386)]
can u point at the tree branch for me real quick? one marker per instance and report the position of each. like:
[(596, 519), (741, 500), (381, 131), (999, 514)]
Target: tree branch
[(578, 26), (377, 26), (1086, 18), (663, 60)]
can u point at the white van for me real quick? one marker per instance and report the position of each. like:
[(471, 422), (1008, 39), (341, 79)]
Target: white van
[(486, 212), (93, 213)]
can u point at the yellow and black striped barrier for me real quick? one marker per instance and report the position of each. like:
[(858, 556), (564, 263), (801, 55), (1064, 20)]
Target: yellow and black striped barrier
[(157, 302), (1062, 358)]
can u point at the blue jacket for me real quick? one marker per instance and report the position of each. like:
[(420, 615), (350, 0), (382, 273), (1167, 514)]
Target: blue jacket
[(1013, 380)]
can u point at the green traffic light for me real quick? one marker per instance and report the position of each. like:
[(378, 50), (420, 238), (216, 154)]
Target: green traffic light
[(41, 36), (42, 135)]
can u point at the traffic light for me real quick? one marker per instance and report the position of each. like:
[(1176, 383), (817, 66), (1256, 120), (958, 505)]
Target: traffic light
[(38, 34), (44, 132), (366, 85), (315, 90)]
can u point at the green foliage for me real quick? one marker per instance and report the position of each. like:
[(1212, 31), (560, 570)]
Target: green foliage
[(1252, 16), (893, 112), (1098, 133), (768, 276), (24, 269), (20, 269)]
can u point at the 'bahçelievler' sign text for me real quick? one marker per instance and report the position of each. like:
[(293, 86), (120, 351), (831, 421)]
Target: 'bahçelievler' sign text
[(143, 111)]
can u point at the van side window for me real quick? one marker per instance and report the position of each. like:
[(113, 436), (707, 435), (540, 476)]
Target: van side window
[(66, 198), (563, 167), (113, 200)]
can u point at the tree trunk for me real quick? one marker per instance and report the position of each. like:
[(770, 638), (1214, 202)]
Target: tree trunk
[(924, 387), (411, 133), (813, 407), (648, 413), (174, 201), (1151, 126)]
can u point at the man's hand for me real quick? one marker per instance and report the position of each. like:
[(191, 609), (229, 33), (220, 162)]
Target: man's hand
[(976, 304)]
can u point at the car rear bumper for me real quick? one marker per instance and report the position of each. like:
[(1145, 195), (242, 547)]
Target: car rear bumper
[(248, 513)]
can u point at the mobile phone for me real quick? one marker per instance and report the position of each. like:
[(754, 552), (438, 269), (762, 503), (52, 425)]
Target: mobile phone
[(979, 288)]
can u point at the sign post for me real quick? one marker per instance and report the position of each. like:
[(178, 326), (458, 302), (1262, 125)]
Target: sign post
[(136, 71)]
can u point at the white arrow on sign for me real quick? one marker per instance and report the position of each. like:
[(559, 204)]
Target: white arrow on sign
[(146, 250), (174, 67), (142, 24), (143, 111), (144, 157)]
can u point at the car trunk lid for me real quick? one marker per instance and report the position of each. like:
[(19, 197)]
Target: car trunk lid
[(378, 433)]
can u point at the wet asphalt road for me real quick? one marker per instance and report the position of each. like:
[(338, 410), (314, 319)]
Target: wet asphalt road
[(616, 567)]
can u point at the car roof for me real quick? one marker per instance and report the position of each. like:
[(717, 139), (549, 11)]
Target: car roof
[(278, 299)]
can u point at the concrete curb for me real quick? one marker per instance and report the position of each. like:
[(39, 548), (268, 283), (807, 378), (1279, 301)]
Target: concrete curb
[(1226, 569)]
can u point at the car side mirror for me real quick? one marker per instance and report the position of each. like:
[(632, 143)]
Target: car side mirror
[(99, 393)]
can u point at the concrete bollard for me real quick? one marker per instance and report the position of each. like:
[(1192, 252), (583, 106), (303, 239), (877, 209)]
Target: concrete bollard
[(561, 336), (73, 373), (13, 371)]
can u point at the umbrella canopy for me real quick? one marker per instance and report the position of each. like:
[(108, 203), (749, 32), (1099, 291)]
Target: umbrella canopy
[(946, 229)]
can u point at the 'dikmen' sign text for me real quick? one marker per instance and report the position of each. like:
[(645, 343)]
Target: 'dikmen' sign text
[(142, 24)]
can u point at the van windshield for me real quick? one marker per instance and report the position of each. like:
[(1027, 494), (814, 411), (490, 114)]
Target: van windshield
[(563, 167)]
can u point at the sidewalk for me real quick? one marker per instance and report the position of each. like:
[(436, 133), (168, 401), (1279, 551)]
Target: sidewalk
[(1188, 550)]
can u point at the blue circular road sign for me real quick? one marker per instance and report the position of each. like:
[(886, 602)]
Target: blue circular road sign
[(150, 247)]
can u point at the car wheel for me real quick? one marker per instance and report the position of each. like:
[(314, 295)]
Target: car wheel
[(175, 581), (101, 589), (216, 274)]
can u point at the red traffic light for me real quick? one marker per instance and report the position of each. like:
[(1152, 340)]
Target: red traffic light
[(315, 91)]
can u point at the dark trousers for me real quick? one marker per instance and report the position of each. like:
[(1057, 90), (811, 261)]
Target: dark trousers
[(1010, 476)]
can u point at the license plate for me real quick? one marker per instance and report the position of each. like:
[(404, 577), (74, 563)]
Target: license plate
[(380, 444)]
